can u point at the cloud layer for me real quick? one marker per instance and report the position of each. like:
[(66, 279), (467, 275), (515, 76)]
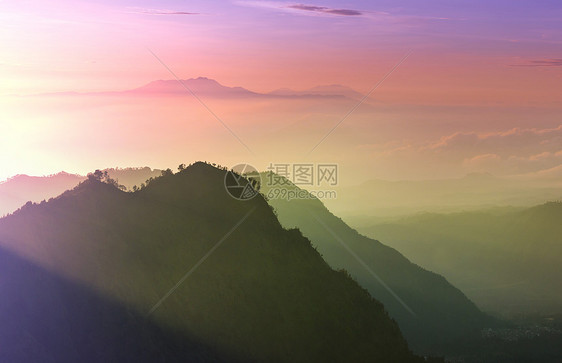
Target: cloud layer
[(510, 152), (553, 62), (161, 12), (303, 8), (325, 10)]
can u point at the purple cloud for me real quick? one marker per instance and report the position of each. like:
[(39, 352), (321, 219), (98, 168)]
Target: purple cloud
[(554, 62), (325, 10), (161, 12)]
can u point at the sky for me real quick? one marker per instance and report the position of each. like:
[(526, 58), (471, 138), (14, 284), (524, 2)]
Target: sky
[(480, 91)]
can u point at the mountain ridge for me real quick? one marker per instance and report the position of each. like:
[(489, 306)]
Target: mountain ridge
[(209, 87), (264, 295), (433, 314), (506, 260)]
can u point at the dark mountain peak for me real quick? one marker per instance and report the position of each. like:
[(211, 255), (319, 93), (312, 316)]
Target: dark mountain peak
[(199, 170), (88, 194), (201, 165), (252, 289), (90, 184)]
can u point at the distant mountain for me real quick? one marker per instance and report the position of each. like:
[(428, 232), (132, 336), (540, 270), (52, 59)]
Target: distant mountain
[(220, 271), (200, 86), (208, 87), (20, 189), (507, 260), (433, 314)]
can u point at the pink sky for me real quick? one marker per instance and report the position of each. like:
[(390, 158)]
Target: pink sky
[(477, 68)]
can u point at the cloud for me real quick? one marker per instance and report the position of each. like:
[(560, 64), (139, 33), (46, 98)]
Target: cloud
[(516, 140), (509, 152), (160, 12), (386, 21), (513, 151), (302, 8), (325, 10), (553, 62)]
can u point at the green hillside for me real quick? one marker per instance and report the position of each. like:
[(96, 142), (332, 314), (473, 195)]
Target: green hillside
[(508, 262), (433, 314), (262, 294)]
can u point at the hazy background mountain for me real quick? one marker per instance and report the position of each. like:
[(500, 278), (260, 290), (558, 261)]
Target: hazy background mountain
[(433, 314), (507, 260), (208, 87), (382, 140), (264, 294), (20, 189), (383, 198), (359, 205), (201, 86)]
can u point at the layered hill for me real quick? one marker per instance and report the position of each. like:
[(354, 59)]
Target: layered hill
[(20, 189), (202, 265), (434, 315), (508, 261)]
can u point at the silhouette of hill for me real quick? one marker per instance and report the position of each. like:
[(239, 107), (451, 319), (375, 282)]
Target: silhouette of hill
[(263, 294), (433, 315), (20, 189), (201, 86), (507, 261), (208, 87)]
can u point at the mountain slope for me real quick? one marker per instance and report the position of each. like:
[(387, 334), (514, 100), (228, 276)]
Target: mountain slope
[(45, 318), (433, 315), (16, 191), (508, 262), (20, 189), (263, 293)]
